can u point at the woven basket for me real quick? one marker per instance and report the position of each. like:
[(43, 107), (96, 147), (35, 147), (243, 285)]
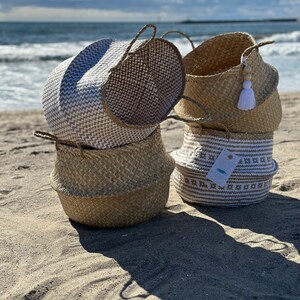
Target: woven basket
[(114, 93), (215, 79), (249, 183), (113, 188)]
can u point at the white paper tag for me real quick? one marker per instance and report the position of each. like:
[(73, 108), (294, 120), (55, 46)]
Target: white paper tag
[(223, 167)]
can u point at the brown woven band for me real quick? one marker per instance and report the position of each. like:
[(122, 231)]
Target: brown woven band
[(182, 33)]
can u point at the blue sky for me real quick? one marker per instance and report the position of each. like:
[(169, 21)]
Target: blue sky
[(142, 10)]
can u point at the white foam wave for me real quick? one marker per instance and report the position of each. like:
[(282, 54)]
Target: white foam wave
[(289, 37), (281, 49), (36, 52), (287, 44), (64, 50)]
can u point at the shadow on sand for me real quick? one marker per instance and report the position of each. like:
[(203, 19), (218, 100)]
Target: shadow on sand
[(179, 256)]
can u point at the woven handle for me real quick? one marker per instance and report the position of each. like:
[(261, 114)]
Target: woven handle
[(51, 137), (192, 120), (127, 51), (182, 33), (256, 46)]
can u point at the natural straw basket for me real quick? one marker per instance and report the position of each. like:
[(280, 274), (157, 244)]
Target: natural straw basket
[(215, 78), (113, 188), (249, 183), (114, 93)]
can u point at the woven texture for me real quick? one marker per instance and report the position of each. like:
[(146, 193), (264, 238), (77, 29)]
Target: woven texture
[(120, 210), (215, 79), (145, 88), (54, 116), (194, 187), (94, 100), (128, 175), (250, 181)]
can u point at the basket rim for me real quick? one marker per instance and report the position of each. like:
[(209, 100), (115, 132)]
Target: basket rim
[(103, 100), (183, 75), (123, 150), (216, 37)]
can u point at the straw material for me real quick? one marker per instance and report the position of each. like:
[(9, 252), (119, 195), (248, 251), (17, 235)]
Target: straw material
[(114, 93), (250, 181), (120, 210), (112, 188), (215, 79)]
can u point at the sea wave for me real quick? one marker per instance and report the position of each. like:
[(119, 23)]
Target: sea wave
[(287, 44), (289, 37), (286, 49), (40, 52)]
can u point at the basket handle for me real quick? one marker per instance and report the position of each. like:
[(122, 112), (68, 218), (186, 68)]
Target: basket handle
[(48, 136), (127, 51), (256, 46), (191, 120), (181, 33), (199, 120)]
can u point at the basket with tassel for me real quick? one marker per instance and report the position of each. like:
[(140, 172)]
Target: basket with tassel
[(228, 76), (227, 160)]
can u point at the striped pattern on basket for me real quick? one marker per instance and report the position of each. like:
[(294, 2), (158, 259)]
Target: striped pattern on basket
[(249, 183), (81, 99), (54, 116), (72, 98), (194, 187), (99, 99)]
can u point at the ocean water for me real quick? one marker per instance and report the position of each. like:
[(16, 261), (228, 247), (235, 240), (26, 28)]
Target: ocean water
[(29, 51)]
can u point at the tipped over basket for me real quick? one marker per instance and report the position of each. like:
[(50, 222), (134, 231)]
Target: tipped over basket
[(113, 188), (114, 93)]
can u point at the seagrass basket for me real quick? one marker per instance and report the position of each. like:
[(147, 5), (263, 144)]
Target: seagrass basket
[(113, 188), (114, 93), (250, 181), (215, 76)]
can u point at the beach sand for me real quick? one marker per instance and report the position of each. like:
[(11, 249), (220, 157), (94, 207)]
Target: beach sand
[(186, 252)]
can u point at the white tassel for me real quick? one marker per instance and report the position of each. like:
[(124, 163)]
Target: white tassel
[(247, 98)]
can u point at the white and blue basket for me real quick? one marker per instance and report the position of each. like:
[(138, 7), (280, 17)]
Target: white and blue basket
[(250, 181), (114, 93)]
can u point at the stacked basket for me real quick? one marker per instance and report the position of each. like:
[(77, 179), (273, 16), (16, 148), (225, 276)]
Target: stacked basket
[(229, 77), (104, 107)]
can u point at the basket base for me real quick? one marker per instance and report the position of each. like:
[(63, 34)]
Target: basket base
[(199, 190), (117, 211), (222, 204)]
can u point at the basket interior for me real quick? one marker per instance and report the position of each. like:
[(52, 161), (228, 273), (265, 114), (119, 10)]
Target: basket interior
[(145, 88), (218, 54)]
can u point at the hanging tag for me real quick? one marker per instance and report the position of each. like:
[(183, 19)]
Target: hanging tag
[(223, 167)]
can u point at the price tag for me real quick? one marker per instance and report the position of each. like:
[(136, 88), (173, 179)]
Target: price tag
[(223, 167)]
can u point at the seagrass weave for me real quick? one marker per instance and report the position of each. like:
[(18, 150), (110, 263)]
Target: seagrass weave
[(114, 93), (250, 181), (215, 79), (125, 209), (116, 187)]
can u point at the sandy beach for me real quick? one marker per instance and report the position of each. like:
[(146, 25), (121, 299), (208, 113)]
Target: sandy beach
[(186, 252)]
